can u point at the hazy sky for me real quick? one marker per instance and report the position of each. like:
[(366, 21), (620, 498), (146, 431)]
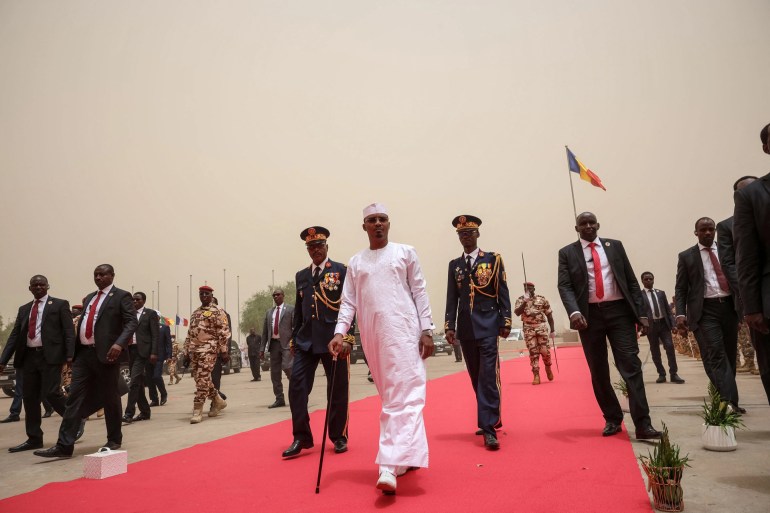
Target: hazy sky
[(186, 137)]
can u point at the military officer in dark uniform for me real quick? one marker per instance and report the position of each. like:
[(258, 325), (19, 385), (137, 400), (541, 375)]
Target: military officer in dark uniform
[(478, 310), (319, 288)]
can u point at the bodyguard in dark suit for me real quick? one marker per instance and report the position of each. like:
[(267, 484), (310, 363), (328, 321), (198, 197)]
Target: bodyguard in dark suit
[(706, 306), (478, 311), (43, 339), (142, 350), (601, 295), (657, 310), (319, 289), (752, 242), (276, 336), (253, 343), (105, 330), (154, 371)]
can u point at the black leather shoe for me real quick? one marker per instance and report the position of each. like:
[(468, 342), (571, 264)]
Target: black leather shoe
[(661, 379), (81, 430), (340, 445), (479, 432), (113, 446), (648, 433), (10, 418), (610, 428), (154, 403), (163, 401), (26, 446), (57, 451), (127, 419), (738, 409), (141, 416), (278, 403), (676, 379), (296, 447), (490, 442), (47, 414)]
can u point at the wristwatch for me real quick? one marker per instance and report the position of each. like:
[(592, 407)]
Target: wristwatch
[(427, 332)]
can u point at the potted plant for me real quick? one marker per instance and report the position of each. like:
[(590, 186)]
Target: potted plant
[(664, 468), (720, 421), (622, 388)]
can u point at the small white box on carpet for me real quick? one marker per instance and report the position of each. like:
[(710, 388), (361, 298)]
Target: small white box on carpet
[(104, 463)]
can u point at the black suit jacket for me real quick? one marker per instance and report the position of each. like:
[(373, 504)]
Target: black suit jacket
[(317, 306), (147, 333), (56, 331), (115, 321), (164, 343), (752, 242), (691, 285), (573, 277), (668, 316), (726, 251)]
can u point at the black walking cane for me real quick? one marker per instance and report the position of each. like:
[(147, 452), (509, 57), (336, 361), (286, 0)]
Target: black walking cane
[(326, 425)]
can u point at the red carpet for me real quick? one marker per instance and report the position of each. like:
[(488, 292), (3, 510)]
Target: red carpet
[(552, 459)]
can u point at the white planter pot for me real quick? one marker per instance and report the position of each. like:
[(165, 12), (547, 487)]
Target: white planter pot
[(623, 400), (717, 438)]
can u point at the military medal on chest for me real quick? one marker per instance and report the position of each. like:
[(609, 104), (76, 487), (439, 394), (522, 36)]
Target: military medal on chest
[(331, 281), (483, 274)]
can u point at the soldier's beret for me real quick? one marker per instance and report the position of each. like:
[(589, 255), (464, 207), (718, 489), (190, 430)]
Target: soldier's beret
[(314, 234), (528, 284), (205, 287), (78, 306), (466, 222)]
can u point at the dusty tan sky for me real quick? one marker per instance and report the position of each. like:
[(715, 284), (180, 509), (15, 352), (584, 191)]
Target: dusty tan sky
[(187, 137)]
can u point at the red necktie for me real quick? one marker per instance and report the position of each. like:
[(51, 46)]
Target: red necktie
[(91, 315), (718, 270), (597, 271), (33, 320), (275, 322)]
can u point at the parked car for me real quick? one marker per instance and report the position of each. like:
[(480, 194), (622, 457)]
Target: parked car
[(235, 364), (357, 351), (8, 379), (440, 345)]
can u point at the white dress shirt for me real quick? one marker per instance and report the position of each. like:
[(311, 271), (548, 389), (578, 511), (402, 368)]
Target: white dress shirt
[(138, 316), (712, 288), (275, 334), (38, 340), (648, 294), (611, 290), (313, 267), (473, 254), (90, 341)]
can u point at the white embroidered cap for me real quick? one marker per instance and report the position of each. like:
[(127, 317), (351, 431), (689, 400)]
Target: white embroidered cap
[(375, 208)]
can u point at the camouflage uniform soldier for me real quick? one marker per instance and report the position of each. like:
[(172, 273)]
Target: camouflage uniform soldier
[(537, 317), (172, 374), (745, 348), (206, 339)]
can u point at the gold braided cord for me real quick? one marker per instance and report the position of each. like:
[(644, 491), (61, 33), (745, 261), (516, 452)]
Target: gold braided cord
[(475, 287), (325, 300)]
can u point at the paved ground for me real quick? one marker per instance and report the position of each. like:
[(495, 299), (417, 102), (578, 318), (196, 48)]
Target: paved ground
[(736, 481)]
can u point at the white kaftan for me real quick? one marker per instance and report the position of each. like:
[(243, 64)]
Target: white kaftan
[(385, 290)]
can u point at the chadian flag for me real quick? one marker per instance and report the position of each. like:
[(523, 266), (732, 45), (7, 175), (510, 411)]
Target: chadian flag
[(181, 321), (585, 174), (168, 321)]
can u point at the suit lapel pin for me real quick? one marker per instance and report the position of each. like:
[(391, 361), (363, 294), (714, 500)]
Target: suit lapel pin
[(110, 294), (607, 244), (50, 302)]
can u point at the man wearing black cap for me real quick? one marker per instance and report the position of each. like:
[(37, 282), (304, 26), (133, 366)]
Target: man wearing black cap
[(537, 317), (319, 288), (206, 341), (478, 310)]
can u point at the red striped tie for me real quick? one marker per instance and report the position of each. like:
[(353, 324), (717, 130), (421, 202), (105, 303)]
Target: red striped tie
[(597, 271), (33, 320), (91, 315)]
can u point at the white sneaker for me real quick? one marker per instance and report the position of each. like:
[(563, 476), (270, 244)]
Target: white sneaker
[(387, 483)]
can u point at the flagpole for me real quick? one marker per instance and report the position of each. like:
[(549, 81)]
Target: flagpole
[(238, 302), (571, 189), (190, 316), (159, 295), (153, 300), (224, 289)]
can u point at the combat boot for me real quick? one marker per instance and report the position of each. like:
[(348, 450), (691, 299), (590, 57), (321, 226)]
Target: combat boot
[(743, 368), (178, 379), (750, 367), (536, 380), (197, 415), (217, 404), (548, 372), (755, 371)]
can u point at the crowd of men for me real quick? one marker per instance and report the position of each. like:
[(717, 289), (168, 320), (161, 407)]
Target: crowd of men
[(722, 289)]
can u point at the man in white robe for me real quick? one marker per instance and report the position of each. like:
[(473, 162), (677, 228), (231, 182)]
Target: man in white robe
[(385, 290)]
